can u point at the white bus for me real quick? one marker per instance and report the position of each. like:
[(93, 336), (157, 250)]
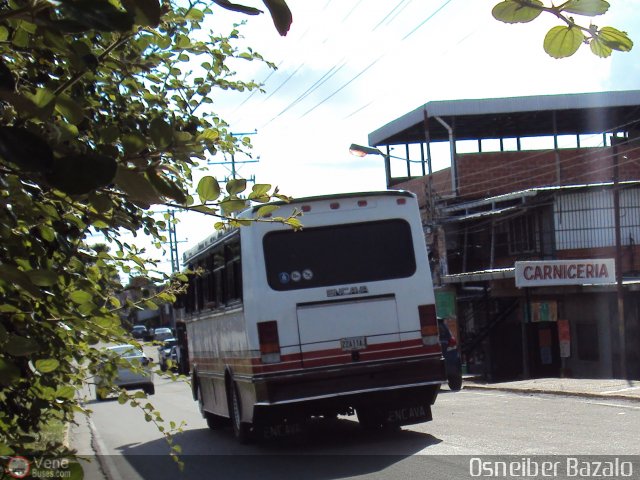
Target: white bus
[(334, 318)]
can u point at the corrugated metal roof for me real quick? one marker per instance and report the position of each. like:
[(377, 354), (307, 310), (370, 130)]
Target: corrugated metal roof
[(493, 204), (585, 113)]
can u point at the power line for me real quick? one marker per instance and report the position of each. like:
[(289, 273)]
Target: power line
[(421, 24)]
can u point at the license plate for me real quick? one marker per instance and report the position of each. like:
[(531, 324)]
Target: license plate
[(353, 343)]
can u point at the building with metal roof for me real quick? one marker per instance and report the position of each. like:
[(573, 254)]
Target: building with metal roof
[(506, 203)]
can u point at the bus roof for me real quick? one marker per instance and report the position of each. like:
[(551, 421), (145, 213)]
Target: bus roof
[(332, 196), (222, 235)]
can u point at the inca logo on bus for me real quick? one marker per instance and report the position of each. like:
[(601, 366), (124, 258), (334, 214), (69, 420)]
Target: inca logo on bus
[(342, 291)]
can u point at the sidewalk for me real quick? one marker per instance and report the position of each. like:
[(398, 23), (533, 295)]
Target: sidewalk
[(82, 439), (590, 388)]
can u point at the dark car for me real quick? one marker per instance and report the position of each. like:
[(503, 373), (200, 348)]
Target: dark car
[(139, 331), (166, 352), (451, 355)]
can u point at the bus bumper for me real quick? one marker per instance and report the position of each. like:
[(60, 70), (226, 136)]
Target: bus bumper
[(405, 389)]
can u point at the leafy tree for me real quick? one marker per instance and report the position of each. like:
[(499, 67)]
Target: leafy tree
[(565, 40), (106, 110)]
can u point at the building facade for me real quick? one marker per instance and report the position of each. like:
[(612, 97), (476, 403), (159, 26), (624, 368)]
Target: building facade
[(567, 214)]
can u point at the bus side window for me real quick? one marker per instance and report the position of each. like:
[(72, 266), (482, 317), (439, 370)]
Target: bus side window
[(218, 276), (233, 275)]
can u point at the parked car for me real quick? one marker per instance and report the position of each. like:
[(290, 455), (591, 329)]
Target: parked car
[(167, 352), (451, 355), (139, 331), (127, 377), (162, 333)]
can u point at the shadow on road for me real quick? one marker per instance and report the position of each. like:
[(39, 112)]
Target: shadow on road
[(324, 450)]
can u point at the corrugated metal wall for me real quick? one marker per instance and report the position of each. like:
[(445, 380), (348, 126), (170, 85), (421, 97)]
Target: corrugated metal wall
[(586, 219)]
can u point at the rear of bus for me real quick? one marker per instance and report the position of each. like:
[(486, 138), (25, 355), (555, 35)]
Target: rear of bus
[(342, 312)]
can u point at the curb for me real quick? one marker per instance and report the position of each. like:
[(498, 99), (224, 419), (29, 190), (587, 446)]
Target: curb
[(539, 391), (107, 465)]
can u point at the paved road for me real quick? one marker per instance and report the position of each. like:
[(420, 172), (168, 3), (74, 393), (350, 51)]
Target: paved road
[(465, 423)]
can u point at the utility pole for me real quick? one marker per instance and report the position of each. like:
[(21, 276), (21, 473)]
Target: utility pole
[(615, 141), (231, 166), (173, 243)]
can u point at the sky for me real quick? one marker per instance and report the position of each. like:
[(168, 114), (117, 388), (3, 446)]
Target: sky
[(348, 67)]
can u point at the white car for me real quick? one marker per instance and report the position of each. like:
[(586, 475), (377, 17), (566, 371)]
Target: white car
[(162, 333), (127, 378)]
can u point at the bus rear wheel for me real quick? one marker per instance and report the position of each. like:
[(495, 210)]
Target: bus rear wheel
[(240, 429), (214, 422)]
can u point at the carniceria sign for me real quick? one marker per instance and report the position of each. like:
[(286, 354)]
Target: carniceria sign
[(601, 271)]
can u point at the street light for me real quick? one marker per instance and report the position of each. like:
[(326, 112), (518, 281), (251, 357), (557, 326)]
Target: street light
[(362, 151)]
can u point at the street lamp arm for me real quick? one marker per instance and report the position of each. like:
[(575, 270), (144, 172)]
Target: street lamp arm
[(361, 151)]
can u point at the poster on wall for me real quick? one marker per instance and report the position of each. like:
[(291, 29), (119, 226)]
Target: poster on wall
[(564, 336), (544, 311)]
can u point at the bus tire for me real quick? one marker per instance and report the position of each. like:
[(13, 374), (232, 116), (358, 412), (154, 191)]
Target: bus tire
[(214, 422), (455, 382), (240, 429)]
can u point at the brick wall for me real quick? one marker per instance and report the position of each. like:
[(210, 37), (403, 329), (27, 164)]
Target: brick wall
[(487, 174), (482, 175)]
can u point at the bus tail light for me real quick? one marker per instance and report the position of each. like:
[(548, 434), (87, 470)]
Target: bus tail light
[(428, 325), (269, 341)]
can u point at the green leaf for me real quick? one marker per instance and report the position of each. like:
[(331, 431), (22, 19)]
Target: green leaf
[(236, 185), (42, 278), (42, 98), (133, 143), (69, 109), (13, 276), (260, 189), (208, 189), (166, 187), (266, 210), (82, 173), (7, 82), (5, 449), (237, 8), (19, 346), (195, 15), (599, 48), (588, 8), (9, 373), (210, 134), (109, 134), (74, 471), (99, 15), (161, 133), (561, 42), (232, 206), (511, 11), (615, 39), (25, 149), (47, 366), (80, 297), (147, 12), (206, 210), (281, 15), (137, 186), (66, 392)]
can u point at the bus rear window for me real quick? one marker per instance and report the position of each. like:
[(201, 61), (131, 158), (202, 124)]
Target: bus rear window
[(339, 254)]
